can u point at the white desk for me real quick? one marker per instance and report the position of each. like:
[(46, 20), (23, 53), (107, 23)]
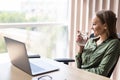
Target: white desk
[(10, 72)]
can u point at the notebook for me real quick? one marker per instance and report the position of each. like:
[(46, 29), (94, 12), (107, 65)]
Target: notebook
[(19, 58)]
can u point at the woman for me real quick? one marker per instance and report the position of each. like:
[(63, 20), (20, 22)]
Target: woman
[(101, 53)]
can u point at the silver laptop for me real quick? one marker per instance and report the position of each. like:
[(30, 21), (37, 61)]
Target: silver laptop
[(19, 58)]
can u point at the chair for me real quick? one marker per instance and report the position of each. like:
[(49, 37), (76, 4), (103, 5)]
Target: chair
[(116, 71), (114, 68), (34, 56), (65, 60)]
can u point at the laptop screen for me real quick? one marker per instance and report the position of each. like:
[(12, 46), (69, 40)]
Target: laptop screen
[(18, 54)]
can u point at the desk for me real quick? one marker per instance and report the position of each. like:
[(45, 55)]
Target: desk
[(10, 72)]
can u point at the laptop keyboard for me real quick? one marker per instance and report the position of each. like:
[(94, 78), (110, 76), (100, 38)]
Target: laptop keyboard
[(36, 68), (41, 66)]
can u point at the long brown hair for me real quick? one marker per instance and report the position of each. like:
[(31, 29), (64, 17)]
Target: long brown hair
[(108, 17)]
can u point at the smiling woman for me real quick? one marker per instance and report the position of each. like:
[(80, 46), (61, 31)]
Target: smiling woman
[(101, 53)]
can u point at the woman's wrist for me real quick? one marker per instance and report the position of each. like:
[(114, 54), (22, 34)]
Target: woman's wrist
[(80, 49)]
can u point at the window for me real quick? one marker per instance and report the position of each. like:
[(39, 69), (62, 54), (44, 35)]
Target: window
[(47, 19)]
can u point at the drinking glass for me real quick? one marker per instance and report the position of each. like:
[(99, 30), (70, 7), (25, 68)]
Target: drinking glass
[(82, 38)]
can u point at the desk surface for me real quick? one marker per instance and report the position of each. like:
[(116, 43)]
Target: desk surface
[(10, 72)]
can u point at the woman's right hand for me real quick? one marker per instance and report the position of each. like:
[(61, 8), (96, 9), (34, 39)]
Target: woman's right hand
[(79, 37), (79, 40)]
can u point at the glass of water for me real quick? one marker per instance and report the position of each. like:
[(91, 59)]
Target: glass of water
[(82, 38), (45, 77)]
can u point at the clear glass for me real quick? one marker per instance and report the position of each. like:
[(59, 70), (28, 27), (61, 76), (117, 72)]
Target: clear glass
[(45, 77), (83, 38)]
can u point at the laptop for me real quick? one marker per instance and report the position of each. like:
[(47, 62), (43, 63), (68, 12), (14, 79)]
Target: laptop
[(19, 58)]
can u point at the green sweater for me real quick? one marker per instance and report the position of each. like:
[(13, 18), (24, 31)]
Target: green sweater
[(99, 59)]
